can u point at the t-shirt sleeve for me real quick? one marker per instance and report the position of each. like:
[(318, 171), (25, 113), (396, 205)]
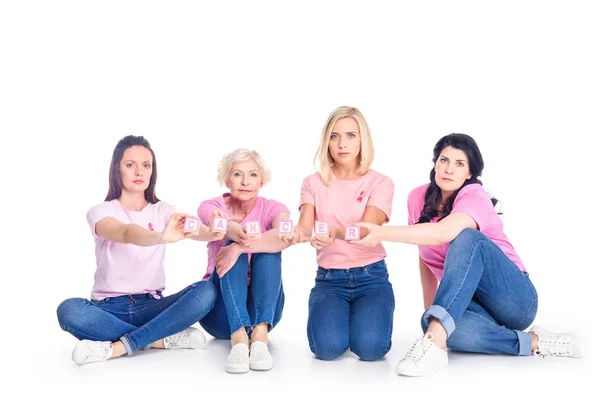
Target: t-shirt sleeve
[(475, 202), (97, 213), (272, 210), (206, 209), (414, 206), (307, 195), (382, 197)]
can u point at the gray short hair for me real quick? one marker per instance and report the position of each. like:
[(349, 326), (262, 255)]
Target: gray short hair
[(238, 155)]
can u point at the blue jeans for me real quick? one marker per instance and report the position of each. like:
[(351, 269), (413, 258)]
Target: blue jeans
[(242, 305), (484, 301), (137, 320), (351, 308)]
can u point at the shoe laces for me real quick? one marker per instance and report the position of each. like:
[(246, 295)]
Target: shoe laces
[(557, 348), (178, 339), (420, 348)]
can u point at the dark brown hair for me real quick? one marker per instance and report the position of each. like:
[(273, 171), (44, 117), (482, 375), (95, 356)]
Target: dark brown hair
[(114, 177)]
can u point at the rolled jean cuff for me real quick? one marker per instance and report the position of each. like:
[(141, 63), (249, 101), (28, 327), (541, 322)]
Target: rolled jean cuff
[(127, 345), (524, 343), (442, 315), (241, 323)]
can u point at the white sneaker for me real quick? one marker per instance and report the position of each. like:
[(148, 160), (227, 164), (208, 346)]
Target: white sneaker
[(88, 351), (423, 358), (556, 344), (191, 338), (260, 358), (238, 360)]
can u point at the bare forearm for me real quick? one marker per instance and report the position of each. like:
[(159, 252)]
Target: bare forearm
[(427, 234), (307, 230), (340, 233), (205, 234), (233, 226), (269, 242), (135, 234)]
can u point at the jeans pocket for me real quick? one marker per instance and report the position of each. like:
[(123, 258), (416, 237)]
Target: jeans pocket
[(377, 271), (321, 276)]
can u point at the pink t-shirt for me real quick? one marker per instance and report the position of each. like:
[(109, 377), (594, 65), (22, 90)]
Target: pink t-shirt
[(125, 269), (471, 200), (265, 211), (343, 204)]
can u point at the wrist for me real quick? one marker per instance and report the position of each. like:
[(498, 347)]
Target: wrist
[(236, 247), (161, 239)]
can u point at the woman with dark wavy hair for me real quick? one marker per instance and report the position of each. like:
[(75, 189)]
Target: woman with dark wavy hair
[(127, 311), (476, 291)]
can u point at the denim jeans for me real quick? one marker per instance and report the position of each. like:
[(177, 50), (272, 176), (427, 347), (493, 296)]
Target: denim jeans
[(351, 308), (241, 304), (137, 320), (484, 301)]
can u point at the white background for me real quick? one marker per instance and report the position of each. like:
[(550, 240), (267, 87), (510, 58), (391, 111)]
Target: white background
[(199, 80)]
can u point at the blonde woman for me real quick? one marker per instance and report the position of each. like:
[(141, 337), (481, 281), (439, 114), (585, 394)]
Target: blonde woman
[(246, 271), (351, 305)]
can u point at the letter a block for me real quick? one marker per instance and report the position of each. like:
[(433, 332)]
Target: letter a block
[(220, 224)]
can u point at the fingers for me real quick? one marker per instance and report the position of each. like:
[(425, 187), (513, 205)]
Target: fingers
[(223, 214), (219, 235), (366, 241), (314, 242), (178, 216), (222, 270), (296, 238), (323, 240)]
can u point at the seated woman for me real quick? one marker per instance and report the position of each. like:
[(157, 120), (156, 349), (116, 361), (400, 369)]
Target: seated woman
[(485, 299), (128, 311), (245, 270)]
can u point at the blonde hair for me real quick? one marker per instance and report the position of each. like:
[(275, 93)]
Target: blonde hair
[(238, 155), (366, 154)]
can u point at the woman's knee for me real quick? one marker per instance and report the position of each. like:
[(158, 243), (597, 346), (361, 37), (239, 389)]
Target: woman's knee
[(329, 350), (71, 311), (467, 236), (204, 294), (368, 350)]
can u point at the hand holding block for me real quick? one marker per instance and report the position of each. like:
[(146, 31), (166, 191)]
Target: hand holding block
[(192, 224), (286, 228), (352, 233), (253, 229), (220, 224), (321, 228)]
